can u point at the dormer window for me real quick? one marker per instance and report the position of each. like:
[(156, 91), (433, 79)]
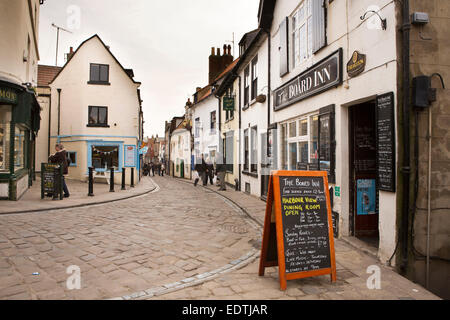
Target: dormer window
[(99, 74)]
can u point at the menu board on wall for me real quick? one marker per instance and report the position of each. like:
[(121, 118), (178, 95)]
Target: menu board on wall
[(130, 156), (385, 142), (301, 205)]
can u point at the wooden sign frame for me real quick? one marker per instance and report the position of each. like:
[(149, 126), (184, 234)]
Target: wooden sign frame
[(273, 206)]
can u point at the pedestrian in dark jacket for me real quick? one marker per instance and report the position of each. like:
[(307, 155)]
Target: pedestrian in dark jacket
[(221, 171), (204, 170), (60, 157), (210, 167)]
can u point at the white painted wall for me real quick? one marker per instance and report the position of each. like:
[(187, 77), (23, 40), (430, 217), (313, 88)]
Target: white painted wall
[(345, 30), (207, 140), (16, 27), (77, 95), (181, 150), (256, 114)]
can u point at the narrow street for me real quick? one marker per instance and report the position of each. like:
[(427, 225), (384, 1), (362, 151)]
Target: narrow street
[(178, 242)]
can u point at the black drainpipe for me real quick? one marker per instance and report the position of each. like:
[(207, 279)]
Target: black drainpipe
[(59, 112), (240, 127), (49, 125), (406, 141)]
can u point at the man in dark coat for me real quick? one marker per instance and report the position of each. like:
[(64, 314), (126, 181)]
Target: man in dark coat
[(204, 171), (60, 157), (221, 171)]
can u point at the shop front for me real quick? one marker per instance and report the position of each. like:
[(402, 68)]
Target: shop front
[(19, 124), (346, 128)]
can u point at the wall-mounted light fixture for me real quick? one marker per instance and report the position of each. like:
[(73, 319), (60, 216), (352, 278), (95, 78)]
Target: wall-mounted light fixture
[(383, 21)]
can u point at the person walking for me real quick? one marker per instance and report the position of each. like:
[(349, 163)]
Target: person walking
[(210, 167), (195, 174), (221, 171), (152, 168), (60, 158), (204, 172), (163, 168)]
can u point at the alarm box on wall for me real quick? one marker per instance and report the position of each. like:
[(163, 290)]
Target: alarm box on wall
[(422, 93)]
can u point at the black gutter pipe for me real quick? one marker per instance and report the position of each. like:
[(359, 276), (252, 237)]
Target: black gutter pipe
[(59, 111), (406, 169)]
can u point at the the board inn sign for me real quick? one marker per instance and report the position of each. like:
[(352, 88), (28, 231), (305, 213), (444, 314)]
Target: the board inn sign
[(322, 76)]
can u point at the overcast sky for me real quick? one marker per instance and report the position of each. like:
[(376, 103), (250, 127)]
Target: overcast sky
[(166, 42)]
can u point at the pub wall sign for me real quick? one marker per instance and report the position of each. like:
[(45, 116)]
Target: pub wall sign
[(357, 64), (322, 76)]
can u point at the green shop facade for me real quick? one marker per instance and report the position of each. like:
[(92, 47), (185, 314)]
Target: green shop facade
[(19, 125)]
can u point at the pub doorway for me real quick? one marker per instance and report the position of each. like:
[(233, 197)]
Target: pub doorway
[(364, 213)]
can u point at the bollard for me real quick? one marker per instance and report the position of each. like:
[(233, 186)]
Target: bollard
[(91, 182), (111, 180), (123, 179), (132, 178)]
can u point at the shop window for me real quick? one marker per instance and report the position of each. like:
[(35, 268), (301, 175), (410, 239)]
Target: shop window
[(314, 144), (98, 117), (292, 156), (105, 157), (254, 150), (72, 155), (302, 152), (99, 74), (284, 151), (229, 151), (5, 129), (327, 144), (293, 129), (19, 148)]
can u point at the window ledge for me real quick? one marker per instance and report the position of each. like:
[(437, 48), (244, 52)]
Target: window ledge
[(98, 125), (251, 174), (104, 83)]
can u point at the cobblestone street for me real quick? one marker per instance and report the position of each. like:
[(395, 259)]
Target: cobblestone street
[(177, 242)]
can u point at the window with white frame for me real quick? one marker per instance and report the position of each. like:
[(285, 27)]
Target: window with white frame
[(301, 143), (254, 78), (246, 85), (302, 33)]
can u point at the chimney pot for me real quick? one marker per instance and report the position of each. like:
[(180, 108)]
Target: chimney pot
[(218, 51), (225, 50), (212, 51), (71, 49), (229, 49)]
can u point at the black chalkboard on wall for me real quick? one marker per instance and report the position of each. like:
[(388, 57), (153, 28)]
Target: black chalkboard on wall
[(386, 142)]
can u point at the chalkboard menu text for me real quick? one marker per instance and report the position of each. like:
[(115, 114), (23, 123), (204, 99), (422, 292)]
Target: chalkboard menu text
[(385, 142), (300, 202)]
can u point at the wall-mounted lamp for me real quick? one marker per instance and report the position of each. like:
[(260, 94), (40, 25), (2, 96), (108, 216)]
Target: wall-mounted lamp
[(383, 21), (261, 98)]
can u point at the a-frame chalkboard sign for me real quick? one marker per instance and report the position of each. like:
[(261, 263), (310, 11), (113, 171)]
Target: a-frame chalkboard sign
[(298, 230)]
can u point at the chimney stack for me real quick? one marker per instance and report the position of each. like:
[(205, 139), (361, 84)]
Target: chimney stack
[(218, 63), (70, 54)]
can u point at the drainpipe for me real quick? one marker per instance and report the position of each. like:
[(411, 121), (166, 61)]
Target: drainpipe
[(406, 141), (49, 125), (59, 112), (240, 129), (429, 199)]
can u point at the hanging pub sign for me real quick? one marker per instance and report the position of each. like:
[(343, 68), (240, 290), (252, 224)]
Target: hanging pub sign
[(322, 76), (8, 95), (357, 64), (228, 103), (385, 123), (298, 227)]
